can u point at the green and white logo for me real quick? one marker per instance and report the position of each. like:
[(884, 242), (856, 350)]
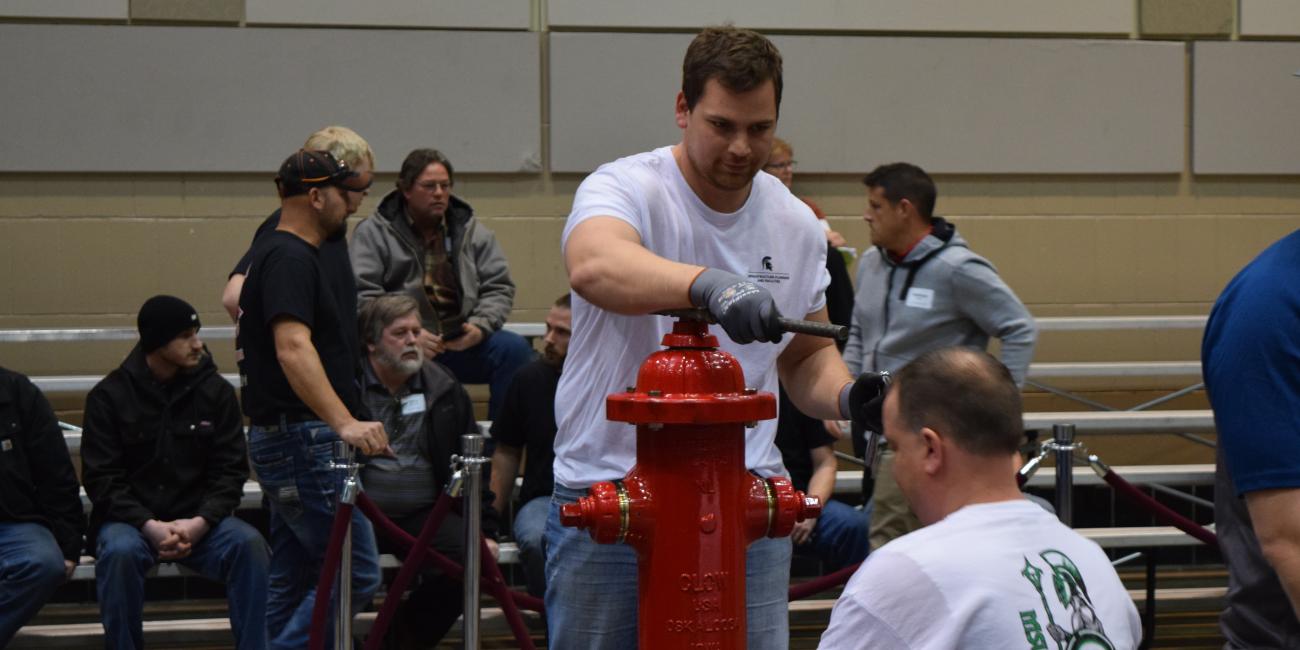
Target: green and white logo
[(1079, 629)]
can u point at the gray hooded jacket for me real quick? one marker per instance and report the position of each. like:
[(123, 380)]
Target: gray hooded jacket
[(940, 295), (388, 256)]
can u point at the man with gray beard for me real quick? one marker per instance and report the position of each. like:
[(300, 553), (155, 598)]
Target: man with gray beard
[(425, 410)]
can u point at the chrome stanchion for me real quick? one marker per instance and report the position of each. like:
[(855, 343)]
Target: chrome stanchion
[(345, 460), (472, 463), (1063, 444)]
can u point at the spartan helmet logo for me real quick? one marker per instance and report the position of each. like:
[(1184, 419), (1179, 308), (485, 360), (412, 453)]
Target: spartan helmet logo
[(767, 263)]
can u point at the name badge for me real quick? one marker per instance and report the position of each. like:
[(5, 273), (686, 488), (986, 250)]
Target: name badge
[(6, 445), (412, 404), (920, 298)]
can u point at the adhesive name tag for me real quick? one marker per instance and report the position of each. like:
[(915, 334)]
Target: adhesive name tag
[(920, 298), (412, 404), (6, 445)]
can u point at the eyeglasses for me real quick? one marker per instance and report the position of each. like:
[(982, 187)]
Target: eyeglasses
[(435, 185), (789, 164)]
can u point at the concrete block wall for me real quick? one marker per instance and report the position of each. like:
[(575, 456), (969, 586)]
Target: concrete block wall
[(83, 243)]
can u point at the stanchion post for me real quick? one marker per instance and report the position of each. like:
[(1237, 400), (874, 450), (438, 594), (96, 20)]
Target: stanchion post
[(345, 462), (473, 460), (1063, 437)]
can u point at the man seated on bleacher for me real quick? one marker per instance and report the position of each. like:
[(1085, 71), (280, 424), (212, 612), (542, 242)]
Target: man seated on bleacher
[(41, 521), (990, 569), (526, 423), (164, 464), (424, 241), (425, 411)]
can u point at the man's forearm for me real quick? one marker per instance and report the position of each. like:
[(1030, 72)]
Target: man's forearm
[(822, 483), (302, 367), (608, 266), (814, 380), (505, 466), (1017, 352), (1275, 516)]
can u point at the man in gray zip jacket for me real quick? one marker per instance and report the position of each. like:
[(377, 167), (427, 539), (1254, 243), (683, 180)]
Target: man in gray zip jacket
[(921, 288), (426, 243)]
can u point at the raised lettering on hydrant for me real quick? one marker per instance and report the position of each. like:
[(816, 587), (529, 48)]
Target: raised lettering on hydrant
[(689, 507)]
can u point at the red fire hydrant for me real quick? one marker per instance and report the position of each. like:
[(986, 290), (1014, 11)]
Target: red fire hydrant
[(689, 507)]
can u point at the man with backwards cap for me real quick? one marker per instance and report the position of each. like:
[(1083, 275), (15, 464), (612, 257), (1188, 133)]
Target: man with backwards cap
[(298, 361), (348, 146), (163, 461)]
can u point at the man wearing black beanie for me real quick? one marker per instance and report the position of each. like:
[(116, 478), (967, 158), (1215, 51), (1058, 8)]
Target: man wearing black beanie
[(164, 464)]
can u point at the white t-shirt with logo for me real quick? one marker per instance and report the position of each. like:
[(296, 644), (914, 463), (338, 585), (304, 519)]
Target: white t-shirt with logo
[(774, 240), (1003, 575)]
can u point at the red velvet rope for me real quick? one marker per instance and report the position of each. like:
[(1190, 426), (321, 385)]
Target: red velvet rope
[(1159, 510), (492, 580), (817, 585), (329, 569), (410, 565)]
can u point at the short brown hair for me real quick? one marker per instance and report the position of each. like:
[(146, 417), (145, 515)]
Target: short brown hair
[(967, 395), (564, 301), (740, 59), (381, 312), (902, 180)]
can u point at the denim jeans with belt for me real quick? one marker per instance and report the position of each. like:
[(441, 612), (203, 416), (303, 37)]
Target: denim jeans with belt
[(591, 589), (292, 463)]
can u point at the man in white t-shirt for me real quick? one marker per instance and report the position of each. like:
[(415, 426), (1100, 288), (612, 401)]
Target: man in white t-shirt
[(694, 224), (989, 569)]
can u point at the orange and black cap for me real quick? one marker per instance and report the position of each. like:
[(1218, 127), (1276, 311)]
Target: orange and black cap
[(308, 168)]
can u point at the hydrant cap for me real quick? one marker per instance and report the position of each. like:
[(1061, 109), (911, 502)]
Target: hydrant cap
[(691, 382)]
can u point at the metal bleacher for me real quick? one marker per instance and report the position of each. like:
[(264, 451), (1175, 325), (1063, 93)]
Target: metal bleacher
[(1097, 420)]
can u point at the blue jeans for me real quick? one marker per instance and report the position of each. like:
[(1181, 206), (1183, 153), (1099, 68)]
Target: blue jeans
[(493, 361), (840, 537), (232, 552), (530, 534), (292, 463), (591, 589), (31, 567)]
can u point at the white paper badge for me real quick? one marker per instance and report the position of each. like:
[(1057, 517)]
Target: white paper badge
[(920, 298), (412, 404)]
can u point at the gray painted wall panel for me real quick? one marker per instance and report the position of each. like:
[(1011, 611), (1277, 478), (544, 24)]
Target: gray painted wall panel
[(974, 105), (1270, 18), (482, 14), (91, 9), (1009, 16), (1244, 107), (118, 98)]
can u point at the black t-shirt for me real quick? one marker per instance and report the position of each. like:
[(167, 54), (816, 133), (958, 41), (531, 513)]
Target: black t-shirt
[(527, 421), (796, 436), (336, 266), (286, 277)]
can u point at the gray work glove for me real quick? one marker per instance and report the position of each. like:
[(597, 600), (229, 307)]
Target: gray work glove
[(745, 310), (865, 400)]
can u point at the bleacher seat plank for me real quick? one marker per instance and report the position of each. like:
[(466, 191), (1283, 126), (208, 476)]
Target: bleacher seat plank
[(849, 481)]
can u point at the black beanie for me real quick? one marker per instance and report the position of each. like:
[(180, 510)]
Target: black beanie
[(161, 319)]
